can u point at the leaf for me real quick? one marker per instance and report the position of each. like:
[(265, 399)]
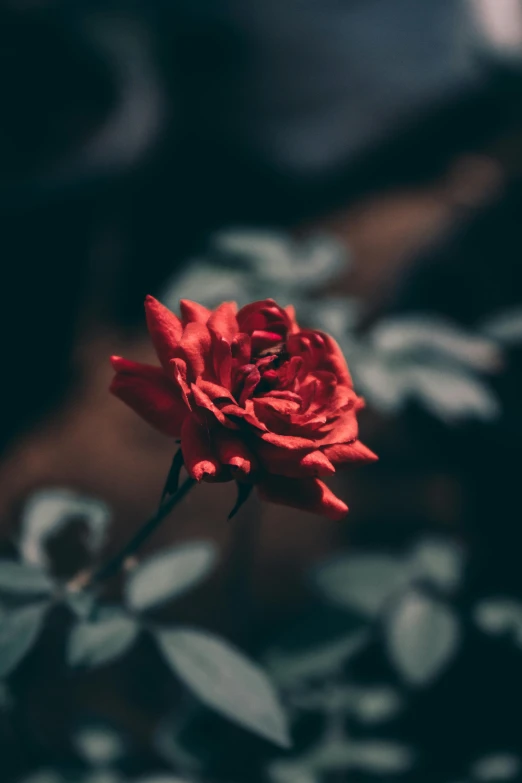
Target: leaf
[(381, 757), (362, 582), (207, 283), (385, 387), (225, 680), (377, 704), (99, 746), (420, 335), (422, 635), (50, 511), (451, 394), (500, 615), (375, 756), (24, 579), (439, 562), (80, 602), (288, 668), (497, 767), (169, 574), (280, 260), (161, 779), (44, 776), (505, 326), (19, 630), (289, 771), (101, 640), (102, 776)]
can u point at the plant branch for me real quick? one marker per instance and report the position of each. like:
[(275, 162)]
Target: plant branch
[(114, 564)]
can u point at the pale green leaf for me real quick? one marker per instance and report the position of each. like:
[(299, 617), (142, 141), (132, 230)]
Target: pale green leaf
[(102, 639), (19, 630), (169, 574), (224, 679)]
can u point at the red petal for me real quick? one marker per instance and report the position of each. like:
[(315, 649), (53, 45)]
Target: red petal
[(297, 463), (164, 327), (222, 361), (192, 312), (223, 321), (194, 348), (290, 311), (265, 315), (262, 339), (202, 400), (179, 373), (198, 454), (249, 385), (288, 441), (344, 430), (214, 390), (150, 394), (241, 350), (233, 451), (345, 453), (308, 494), (320, 352)]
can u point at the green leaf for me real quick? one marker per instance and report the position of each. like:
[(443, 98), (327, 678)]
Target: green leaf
[(101, 640), (168, 574), (288, 668), (49, 511), (19, 630), (439, 562), (422, 336), (80, 602), (377, 757), (24, 579), (99, 746), (161, 779), (497, 767), (362, 582), (505, 326), (422, 635), (225, 680), (44, 776)]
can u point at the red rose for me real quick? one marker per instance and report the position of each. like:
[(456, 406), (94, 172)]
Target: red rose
[(253, 398)]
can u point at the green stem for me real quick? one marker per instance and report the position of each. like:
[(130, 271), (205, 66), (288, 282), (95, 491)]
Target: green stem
[(113, 565)]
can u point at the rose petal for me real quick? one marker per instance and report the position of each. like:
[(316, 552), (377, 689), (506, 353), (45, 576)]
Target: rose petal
[(164, 327), (223, 321), (320, 352), (222, 361), (150, 394), (179, 373), (341, 454), (194, 348), (233, 451), (265, 315), (198, 454), (307, 494), (297, 463), (262, 340), (241, 349), (288, 441), (202, 400), (290, 311), (192, 312), (214, 390), (249, 385)]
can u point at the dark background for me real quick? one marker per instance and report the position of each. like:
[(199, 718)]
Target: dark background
[(129, 132)]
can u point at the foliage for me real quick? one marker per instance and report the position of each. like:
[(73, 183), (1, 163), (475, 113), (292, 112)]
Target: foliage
[(398, 360)]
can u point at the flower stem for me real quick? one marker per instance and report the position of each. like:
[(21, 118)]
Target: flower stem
[(112, 566)]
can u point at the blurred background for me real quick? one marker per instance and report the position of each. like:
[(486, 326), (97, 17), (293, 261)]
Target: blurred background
[(363, 161)]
